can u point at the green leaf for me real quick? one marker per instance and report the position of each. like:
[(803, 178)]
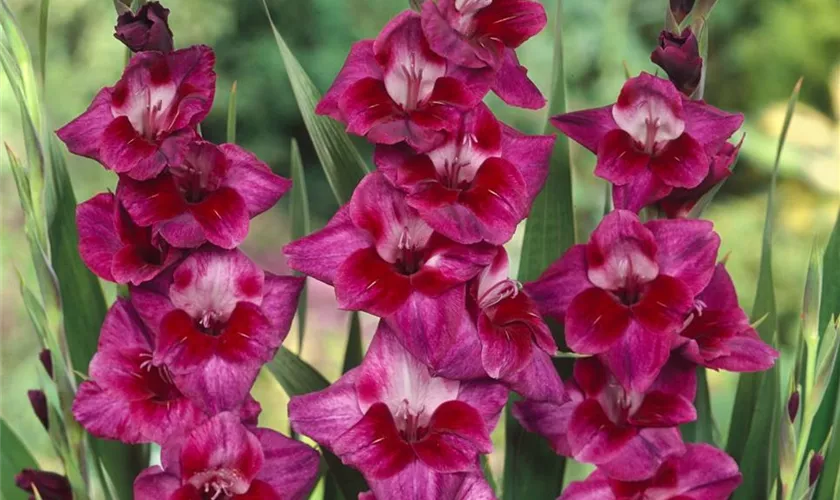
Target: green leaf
[(829, 307), (231, 115), (828, 486), (43, 24), (301, 225), (757, 399), (701, 430), (532, 469), (488, 473), (340, 160), (297, 377), (764, 306), (353, 353), (14, 457)]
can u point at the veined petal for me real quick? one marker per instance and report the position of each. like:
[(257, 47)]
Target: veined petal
[(290, 467), (548, 418), (365, 282), (511, 21), (593, 437), (374, 445), (586, 127), (513, 86), (83, 135), (710, 126), (530, 154), (360, 64), (682, 163), (258, 186), (98, 238), (325, 415), (687, 250), (456, 436), (621, 252), (659, 409), (640, 192), (650, 109), (554, 290), (642, 456), (637, 357), (595, 322), (702, 472), (154, 484), (619, 160), (498, 198), (223, 216)]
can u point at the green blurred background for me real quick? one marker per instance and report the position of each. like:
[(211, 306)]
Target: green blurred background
[(758, 49)]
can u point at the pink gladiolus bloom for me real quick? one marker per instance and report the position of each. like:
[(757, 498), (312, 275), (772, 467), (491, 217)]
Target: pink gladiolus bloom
[(148, 29), (144, 122), (407, 431), (222, 459), (396, 89), (627, 434), (211, 195), (129, 399), (626, 293), (115, 248), (218, 322), (651, 141), (718, 335), (478, 184), (702, 473), (484, 33)]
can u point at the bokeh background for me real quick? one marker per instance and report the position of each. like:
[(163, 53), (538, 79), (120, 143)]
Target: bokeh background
[(758, 49)]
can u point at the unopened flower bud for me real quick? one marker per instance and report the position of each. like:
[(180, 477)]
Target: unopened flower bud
[(815, 467), (38, 400), (681, 8), (148, 29), (793, 406), (46, 360), (679, 56), (50, 486)]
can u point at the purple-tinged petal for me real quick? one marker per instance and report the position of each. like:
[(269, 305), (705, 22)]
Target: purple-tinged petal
[(554, 290), (682, 163), (747, 353), (530, 154), (650, 109), (456, 436), (637, 357), (155, 484), (327, 414), (659, 409), (321, 254), (643, 455), (587, 127), (98, 238), (679, 56), (595, 487), (593, 437), (487, 397), (365, 282), (710, 126), (513, 86), (537, 380), (223, 217), (702, 472), (360, 64), (152, 201), (621, 252), (640, 192), (83, 135), (253, 180), (548, 418), (511, 21), (687, 250), (419, 482), (369, 111), (148, 29), (619, 160), (280, 301), (663, 305), (374, 445), (150, 305), (595, 322), (291, 467), (446, 41)]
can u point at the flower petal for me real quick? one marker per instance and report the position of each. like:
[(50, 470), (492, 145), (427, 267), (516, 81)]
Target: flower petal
[(360, 64), (710, 126), (83, 135), (253, 180), (642, 456), (566, 278), (154, 484), (647, 99), (619, 160), (595, 322), (223, 216), (327, 414), (643, 190), (365, 282), (586, 127), (638, 356), (687, 250), (456, 436), (593, 437), (530, 154), (663, 410), (513, 86), (98, 238), (621, 252), (291, 467), (374, 445)]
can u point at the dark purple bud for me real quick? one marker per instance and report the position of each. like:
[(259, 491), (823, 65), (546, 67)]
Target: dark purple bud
[(793, 406), (46, 360), (679, 56), (815, 467), (38, 400), (51, 486), (146, 30), (681, 8)]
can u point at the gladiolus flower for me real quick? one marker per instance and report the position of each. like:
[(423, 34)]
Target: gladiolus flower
[(718, 335), (484, 33), (625, 294), (442, 487), (224, 460), (116, 249), (679, 56), (127, 397), (50, 486), (218, 322), (651, 141), (702, 473), (148, 29), (144, 122), (210, 196), (478, 184), (396, 89), (627, 434), (404, 429)]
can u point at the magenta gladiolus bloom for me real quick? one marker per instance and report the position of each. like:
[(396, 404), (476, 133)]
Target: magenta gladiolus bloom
[(395, 88), (115, 248), (439, 487), (651, 141), (144, 122), (128, 398), (718, 334), (405, 430), (148, 29), (484, 33), (626, 293), (379, 253), (210, 196), (50, 486), (478, 184), (701, 473), (626, 434), (222, 459), (218, 322)]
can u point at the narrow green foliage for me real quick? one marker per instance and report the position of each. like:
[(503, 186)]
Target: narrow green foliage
[(301, 226), (14, 457), (297, 377), (341, 161), (43, 24), (532, 469), (353, 353), (828, 486), (703, 429), (749, 396), (231, 115), (488, 474)]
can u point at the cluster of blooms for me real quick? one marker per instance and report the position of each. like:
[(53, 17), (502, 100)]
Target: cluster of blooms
[(419, 245), (177, 359)]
